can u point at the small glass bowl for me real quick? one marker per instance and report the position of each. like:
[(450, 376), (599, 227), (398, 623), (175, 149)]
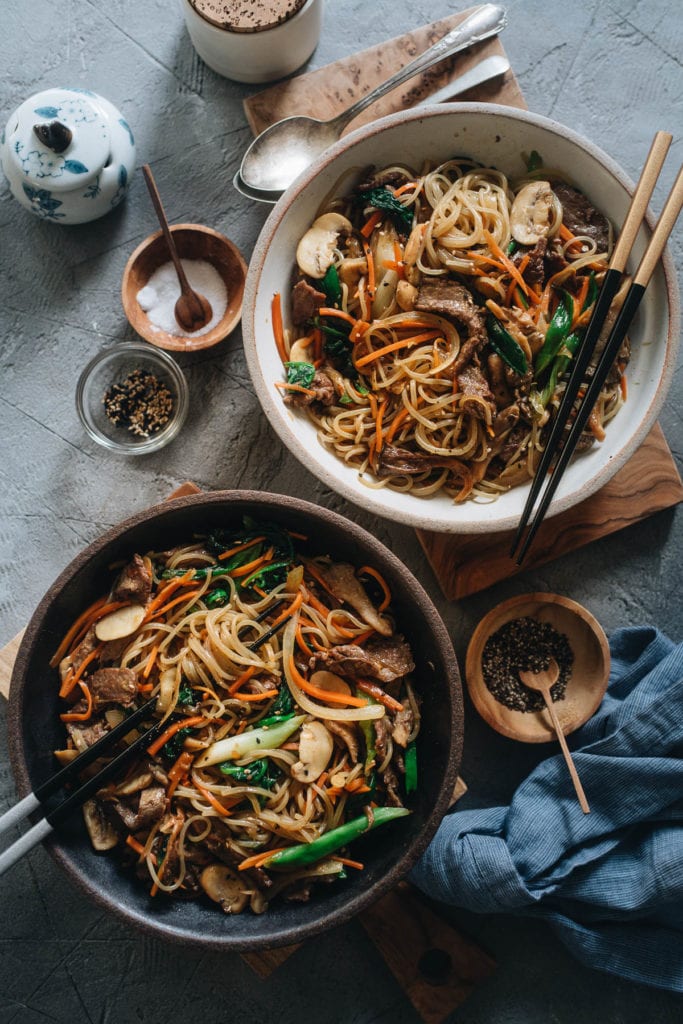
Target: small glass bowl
[(111, 367)]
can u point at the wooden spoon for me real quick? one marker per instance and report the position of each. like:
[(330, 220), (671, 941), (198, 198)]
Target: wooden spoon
[(543, 681), (192, 310)]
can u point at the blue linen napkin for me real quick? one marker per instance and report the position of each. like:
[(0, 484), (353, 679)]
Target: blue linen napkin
[(610, 883)]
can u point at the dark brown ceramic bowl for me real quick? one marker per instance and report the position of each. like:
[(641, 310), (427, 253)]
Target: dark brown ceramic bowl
[(35, 729)]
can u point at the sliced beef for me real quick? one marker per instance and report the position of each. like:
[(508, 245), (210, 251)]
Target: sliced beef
[(342, 582), (322, 389), (554, 260), (79, 654), (349, 736), (140, 812), (113, 686), (393, 179), (222, 851), (306, 301), (445, 297), (404, 722), (85, 734), (534, 272), (472, 384), (394, 461), (134, 583), (380, 659), (581, 217)]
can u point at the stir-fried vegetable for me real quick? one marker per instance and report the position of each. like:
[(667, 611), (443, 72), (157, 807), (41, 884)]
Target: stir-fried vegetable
[(384, 199), (556, 333), (330, 842), (250, 742), (300, 373), (505, 345)]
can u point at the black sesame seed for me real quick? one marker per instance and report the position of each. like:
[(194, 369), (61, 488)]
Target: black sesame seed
[(140, 402), (524, 644)]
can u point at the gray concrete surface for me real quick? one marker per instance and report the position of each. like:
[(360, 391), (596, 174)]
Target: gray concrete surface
[(610, 69)]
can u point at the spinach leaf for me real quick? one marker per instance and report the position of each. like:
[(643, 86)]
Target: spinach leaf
[(268, 578), (257, 773), (534, 161), (173, 747), (300, 373), (384, 199), (187, 697), (331, 286)]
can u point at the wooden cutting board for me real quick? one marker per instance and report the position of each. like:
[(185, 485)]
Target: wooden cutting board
[(649, 483)]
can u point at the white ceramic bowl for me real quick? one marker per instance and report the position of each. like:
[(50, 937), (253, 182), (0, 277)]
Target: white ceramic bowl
[(493, 135)]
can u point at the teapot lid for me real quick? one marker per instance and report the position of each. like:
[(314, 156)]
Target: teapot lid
[(59, 138)]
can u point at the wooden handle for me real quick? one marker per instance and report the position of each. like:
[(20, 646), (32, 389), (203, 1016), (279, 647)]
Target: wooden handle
[(641, 197), (660, 236), (567, 756), (156, 200)]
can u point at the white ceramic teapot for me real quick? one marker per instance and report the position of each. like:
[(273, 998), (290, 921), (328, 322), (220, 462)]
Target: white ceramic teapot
[(68, 155)]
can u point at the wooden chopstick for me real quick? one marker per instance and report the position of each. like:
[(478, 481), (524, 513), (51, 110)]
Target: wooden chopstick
[(641, 279), (33, 801), (610, 286)]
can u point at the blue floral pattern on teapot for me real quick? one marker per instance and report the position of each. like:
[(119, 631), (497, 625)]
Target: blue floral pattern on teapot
[(68, 156)]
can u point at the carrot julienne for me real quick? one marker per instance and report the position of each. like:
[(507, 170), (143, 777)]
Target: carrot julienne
[(395, 345), (379, 694), (278, 330), (167, 734), (240, 547), (368, 570), (74, 631), (258, 859), (71, 680), (80, 716), (371, 223), (329, 696)]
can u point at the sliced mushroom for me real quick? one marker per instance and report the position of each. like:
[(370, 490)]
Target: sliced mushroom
[(340, 578), (315, 750), (299, 352), (412, 252), (535, 212), (325, 680), (65, 757), (103, 835), (120, 623), (347, 732), (315, 251), (351, 271), (137, 783), (224, 887)]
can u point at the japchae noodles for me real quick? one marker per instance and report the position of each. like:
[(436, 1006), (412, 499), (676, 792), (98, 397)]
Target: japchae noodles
[(434, 317), (288, 718)]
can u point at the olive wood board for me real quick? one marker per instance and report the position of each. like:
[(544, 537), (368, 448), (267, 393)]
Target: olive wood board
[(435, 965), (467, 563), (329, 90)]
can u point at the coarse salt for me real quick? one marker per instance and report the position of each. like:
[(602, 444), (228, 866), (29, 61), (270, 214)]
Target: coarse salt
[(162, 291)]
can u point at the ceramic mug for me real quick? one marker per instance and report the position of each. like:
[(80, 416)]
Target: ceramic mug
[(254, 41)]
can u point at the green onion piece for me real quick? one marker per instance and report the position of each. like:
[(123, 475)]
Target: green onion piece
[(309, 853), (410, 762), (556, 333), (505, 345)]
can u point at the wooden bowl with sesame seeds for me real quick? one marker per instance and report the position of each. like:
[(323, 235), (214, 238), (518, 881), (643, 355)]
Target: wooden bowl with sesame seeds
[(497, 649)]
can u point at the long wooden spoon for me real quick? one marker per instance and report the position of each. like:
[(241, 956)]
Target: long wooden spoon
[(192, 310), (543, 681)]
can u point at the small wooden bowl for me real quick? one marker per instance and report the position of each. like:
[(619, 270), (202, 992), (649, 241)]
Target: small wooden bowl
[(587, 681), (194, 242)]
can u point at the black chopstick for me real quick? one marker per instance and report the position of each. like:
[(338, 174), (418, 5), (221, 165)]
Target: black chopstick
[(610, 287), (641, 278), (67, 774), (51, 819)]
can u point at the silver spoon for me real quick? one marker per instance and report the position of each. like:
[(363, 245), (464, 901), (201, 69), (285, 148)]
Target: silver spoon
[(490, 67), (280, 153)]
